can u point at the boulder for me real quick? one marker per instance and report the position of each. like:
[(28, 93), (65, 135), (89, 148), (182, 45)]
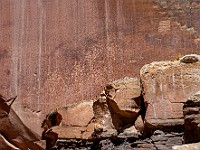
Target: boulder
[(118, 106), (77, 121), (192, 58), (166, 86), (191, 111)]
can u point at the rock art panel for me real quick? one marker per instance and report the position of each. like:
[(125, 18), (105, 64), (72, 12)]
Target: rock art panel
[(166, 86)]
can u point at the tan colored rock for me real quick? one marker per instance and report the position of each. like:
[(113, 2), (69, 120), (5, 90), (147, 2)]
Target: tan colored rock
[(102, 114), (167, 85), (193, 146), (118, 106), (77, 121), (124, 92), (79, 114), (191, 111), (130, 132), (74, 132), (69, 132)]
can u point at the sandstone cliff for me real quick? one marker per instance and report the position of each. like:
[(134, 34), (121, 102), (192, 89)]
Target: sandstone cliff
[(61, 52)]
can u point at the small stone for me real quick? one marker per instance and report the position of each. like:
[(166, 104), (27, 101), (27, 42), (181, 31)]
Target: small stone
[(190, 58), (130, 133)]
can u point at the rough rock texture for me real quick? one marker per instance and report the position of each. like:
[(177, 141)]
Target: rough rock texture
[(118, 106), (166, 86), (191, 111), (126, 92), (13, 133), (158, 141), (193, 146), (121, 116), (77, 121), (61, 52)]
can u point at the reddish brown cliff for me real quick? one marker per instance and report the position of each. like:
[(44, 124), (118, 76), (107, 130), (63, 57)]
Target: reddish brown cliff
[(54, 53)]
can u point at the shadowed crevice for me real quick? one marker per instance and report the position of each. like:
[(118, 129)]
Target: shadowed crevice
[(121, 119)]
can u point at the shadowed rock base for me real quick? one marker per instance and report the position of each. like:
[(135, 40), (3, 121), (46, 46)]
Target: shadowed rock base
[(158, 141)]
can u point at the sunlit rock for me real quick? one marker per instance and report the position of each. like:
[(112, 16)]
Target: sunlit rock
[(166, 86), (118, 106)]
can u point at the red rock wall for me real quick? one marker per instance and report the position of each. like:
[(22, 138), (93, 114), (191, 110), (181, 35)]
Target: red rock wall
[(56, 52)]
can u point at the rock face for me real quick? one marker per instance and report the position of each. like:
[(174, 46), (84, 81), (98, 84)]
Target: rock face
[(166, 86), (191, 111), (61, 52), (77, 121), (118, 106), (13, 133)]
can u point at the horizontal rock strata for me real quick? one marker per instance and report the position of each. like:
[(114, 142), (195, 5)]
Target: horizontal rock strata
[(191, 111)]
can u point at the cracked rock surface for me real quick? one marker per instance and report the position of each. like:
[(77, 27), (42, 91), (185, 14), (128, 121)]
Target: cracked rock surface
[(77, 121), (166, 86)]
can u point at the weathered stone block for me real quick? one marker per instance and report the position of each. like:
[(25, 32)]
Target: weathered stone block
[(167, 85), (79, 114), (77, 121)]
